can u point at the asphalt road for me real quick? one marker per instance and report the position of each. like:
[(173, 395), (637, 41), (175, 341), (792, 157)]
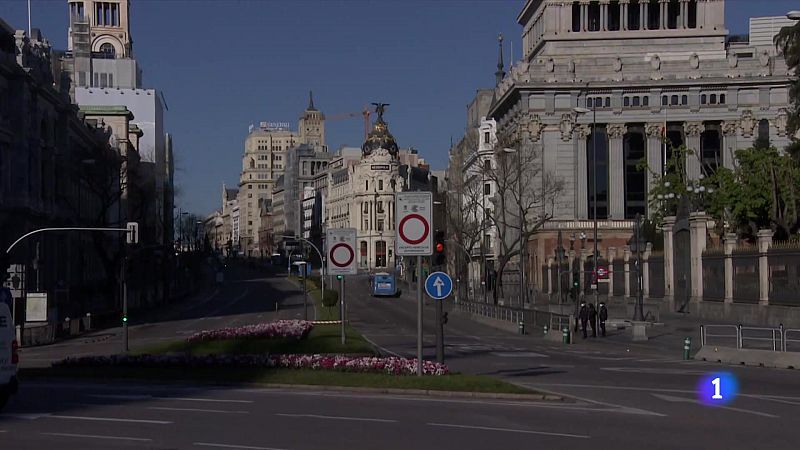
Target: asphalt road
[(618, 396)]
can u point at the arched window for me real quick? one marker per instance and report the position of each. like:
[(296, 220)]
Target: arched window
[(713, 99), (601, 171), (607, 103), (252, 163), (363, 253), (626, 101), (711, 148), (635, 178), (636, 101), (703, 99), (684, 100), (674, 100), (589, 102), (721, 99), (646, 100), (664, 100), (380, 254), (108, 50)]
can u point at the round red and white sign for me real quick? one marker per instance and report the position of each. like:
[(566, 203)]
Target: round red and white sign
[(342, 255), (601, 272), (413, 229)]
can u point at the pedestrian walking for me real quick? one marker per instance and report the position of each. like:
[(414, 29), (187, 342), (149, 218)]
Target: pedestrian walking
[(584, 316), (603, 318), (593, 319)]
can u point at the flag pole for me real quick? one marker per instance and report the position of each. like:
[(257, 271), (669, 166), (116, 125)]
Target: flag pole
[(29, 18)]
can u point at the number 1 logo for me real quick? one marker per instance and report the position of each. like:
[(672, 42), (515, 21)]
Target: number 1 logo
[(716, 382)]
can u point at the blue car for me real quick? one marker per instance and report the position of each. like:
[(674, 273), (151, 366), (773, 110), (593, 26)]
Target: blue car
[(384, 285)]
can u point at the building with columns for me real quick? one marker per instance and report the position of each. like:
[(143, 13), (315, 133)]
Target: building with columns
[(645, 69)]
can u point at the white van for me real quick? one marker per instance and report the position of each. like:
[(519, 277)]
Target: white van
[(9, 358)]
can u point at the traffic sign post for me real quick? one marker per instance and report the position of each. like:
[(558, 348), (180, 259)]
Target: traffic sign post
[(413, 227), (439, 285), (341, 256)]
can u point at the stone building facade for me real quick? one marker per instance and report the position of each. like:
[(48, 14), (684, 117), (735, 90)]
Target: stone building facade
[(646, 70)]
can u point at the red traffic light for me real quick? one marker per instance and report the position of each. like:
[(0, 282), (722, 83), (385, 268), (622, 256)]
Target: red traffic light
[(439, 247)]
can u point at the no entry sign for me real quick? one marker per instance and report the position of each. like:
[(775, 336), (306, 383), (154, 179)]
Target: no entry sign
[(414, 229), (341, 245)]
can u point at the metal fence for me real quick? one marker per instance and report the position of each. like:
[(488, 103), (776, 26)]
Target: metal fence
[(655, 265), (745, 278), (754, 338), (531, 318), (714, 277), (784, 276)]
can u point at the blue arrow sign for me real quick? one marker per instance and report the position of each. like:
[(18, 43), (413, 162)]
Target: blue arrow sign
[(438, 285)]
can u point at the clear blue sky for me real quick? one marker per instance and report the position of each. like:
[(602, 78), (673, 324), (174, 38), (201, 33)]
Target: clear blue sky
[(225, 64)]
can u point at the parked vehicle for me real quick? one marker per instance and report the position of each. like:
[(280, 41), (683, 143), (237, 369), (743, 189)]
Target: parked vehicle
[(384, 284), (9, 358)]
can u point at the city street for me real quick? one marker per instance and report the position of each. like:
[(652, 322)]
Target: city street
[(610, 391)]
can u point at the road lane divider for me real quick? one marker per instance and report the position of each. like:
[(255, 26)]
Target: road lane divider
[(213, 411), (95, 436), (317, 416), (508, 430)]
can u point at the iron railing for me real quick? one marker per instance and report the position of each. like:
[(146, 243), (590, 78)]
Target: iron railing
[(755, 338), (531, 318)]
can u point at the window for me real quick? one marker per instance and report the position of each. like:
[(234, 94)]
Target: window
[(646, 100), (576, 16), (487, 189), (366, 224), (674, 100), (721, 99), (713, 99), (107, 49), (691, 16), (249, 195), (601, 198), (380, 185), (703, 99), (614, 16), (710, 148), (634, 12), (103, 80), (487, 242), (653, 15), (380, 254), (249, 186), (673, 14), (664, 100), (762, 140), (366, 185), (594, 16), (589, 102), (380, 224), (607, 103), (626, 101), (486, 137), (487, 164), (636, 101), (366, 208), (633, 146), (380, 207), (684, 100)]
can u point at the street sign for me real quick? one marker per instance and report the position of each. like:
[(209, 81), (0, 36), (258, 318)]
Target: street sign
[(133, 232), (602, 272), (439, 285), (36, 307), (413, 216), (341, 256)]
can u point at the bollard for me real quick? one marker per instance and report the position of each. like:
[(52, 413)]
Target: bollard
[(687, 346), (565, 335), (545, 330), (521, 327)]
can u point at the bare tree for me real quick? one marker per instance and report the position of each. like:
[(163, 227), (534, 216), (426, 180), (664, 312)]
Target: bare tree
[(524, 200)]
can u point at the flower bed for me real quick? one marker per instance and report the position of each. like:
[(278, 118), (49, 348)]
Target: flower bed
[(279, 329), (341, 363)]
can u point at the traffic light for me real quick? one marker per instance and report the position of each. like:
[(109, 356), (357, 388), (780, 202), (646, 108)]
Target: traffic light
[(576, 280), (339, 277), (439, 249)]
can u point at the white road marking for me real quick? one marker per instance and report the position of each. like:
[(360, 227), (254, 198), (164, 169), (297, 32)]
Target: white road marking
[(654, 370), (215, 400), (519, 355), (220, 411), (316, 416), (671, 398), (244, 447), (94, 436), (111, 419), (25, 416), (383, 349), (508, 430), (655, 389), (122, 396), (617, 408), (778, 399)]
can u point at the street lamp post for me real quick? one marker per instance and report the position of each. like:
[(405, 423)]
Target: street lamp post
[(595, 286)]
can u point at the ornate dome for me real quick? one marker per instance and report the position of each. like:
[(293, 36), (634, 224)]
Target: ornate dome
[(379, 137)]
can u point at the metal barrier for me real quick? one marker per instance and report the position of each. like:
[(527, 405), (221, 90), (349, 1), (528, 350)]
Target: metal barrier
[(532, 318), (704, 333), (758, 338)]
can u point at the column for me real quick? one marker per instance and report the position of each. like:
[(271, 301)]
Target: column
[(626, 257), (684, 23), (698, 227), (549, 275), (581, 183), (729, 145), (648, 250), (729, 245), (623, 15), (604, 15), (692, 131), (669, 268), (663, 15), (584, 15), (764, 242), (612, 253), (642, 15), (616, 182), (655, 153)]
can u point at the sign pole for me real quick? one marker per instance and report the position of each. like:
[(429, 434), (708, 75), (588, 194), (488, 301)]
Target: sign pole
[(125, 304), (419, 316), (341, 308)]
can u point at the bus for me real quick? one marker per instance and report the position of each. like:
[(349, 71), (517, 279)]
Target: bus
[(384, 285)]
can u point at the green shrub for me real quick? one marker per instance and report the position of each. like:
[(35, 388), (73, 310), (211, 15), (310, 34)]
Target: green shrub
[(330, 299)]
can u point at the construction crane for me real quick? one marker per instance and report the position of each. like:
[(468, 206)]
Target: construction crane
[(365, 113)]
